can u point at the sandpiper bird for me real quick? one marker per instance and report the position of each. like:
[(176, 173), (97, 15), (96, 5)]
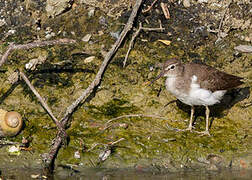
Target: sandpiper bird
[(197, 85)]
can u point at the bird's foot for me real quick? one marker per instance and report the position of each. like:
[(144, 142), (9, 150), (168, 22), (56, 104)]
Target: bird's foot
[(204, 133)]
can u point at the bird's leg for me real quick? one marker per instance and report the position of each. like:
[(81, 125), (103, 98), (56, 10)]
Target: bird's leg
[(206, 132), (191, 119)]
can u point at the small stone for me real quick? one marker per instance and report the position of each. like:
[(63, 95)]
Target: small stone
[(31, 65), (104, 154), (89, 59), (35, 176), (248, 39), (73, 33), (115, 34), (50, 35), (103, 21), (86, 38), (57, 7), (77, 155), (244, 48), (123, 125), (14, 150), (100, 33), (186, 3), (91, 12), (2, 22), (12, 31), (202, 1), (13, 78)]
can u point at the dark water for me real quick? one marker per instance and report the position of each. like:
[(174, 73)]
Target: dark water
[(106, 174)]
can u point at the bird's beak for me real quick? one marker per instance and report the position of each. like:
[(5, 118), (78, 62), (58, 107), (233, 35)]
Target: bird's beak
[(159, 76)]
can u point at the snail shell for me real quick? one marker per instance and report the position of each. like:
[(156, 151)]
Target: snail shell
[(10, 123)]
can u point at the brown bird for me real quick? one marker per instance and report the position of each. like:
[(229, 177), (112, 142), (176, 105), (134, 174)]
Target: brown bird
[(197, 85)]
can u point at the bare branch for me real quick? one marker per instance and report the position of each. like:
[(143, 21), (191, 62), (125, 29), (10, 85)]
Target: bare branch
[(165, 10), (149, 7), (43, 103), (13, 47), (132, 43), (135, 115)]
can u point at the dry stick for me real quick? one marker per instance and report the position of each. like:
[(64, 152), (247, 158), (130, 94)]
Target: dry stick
[(221, 22), (117, 141), (132, 43), (135, 115), (165, 10), (153, 29), (149, 8), (50, 158), (110, 144), (134, 37), (43, 103), (13, 47)]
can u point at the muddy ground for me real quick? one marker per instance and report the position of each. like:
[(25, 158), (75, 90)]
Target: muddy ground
[(206, 31)]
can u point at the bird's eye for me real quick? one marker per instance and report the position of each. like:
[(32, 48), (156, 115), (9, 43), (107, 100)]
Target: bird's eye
[(172, 67)]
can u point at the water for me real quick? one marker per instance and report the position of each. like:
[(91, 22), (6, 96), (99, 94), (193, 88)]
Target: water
[(124, 174)]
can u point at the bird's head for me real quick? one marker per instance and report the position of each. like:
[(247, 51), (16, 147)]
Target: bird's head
[(171, 68)]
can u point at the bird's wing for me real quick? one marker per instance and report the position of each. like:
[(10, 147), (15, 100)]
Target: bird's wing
[(213, 79)]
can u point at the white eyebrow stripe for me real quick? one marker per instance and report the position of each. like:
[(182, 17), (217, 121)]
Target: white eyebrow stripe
[(170, 66)]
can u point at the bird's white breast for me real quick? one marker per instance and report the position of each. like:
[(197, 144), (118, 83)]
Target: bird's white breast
[(196, 95)]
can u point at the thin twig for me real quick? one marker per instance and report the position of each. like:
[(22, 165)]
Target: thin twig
[(220, 25), (117, 141), (165, 10), (43, 103), (13, 47), (139, 115), (149, 7), (50, 157), (7, 143), (132, 43), (93, 146), (153, 29), (135, 115)]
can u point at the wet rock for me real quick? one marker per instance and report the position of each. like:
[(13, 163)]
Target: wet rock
[(57, 7)]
